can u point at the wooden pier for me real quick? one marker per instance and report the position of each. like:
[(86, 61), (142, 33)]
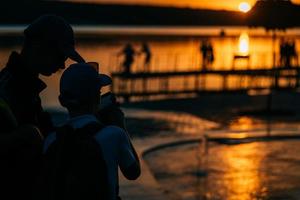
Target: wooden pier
[(141, 84)]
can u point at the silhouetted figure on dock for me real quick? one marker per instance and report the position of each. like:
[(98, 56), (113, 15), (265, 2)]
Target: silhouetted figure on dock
[(129, 53), (282, 52), (207, 52), (287, 53), (148, 55), (293, 51)]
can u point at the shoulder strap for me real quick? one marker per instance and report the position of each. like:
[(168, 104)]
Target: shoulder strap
[(91, 128), (66, 135)]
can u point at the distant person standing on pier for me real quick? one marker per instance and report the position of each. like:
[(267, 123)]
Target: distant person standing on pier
[(282, 52), (293, 51), (148, 55), (210, 54), (129, 53), (207, 54), (203, 49), (287, 53)]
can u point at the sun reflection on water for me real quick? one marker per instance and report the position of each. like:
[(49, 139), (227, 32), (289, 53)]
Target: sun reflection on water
[(242, 123), (243, 178)]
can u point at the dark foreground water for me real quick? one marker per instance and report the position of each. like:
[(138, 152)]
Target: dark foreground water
[(256, 171)]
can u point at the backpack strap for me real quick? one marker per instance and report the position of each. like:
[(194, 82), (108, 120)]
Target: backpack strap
[(66, 132), (65, 136), (91, 128)]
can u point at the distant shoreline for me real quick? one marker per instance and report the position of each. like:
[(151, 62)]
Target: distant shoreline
[(212, 31)]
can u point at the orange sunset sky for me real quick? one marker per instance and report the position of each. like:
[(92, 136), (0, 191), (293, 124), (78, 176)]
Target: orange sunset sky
[(211, 4)]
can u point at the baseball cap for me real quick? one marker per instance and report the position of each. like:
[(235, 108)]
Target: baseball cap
[(54, 30), (80, 81)]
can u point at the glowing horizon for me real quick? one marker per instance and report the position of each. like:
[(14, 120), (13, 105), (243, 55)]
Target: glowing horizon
[(208, 4)]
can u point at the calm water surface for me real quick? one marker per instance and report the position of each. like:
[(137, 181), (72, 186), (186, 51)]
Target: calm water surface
[(259, 170)]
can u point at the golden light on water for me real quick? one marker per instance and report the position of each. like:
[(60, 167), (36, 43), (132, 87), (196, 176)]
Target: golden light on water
[(242, 123), (244, 44), (244, 7), (242, 175)]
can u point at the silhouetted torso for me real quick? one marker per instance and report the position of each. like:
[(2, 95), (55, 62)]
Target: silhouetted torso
[(207, 52), (287, 52), (21, 92), (129, 58), (147, 52)]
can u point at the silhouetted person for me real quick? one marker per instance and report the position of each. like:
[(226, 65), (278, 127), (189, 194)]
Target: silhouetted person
[(293, 51), (203, 49), (207, 54), (48, 42), (282, 52), (129, 53), (148, 55), (80, 87), (222, 33), (210, 51), (287, 53)]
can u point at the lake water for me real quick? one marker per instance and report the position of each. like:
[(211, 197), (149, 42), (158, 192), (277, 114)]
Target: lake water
[(246, 171), (254, 171), (173, 49)]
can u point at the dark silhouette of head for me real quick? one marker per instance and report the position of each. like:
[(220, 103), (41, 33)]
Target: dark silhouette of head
[(49, 41), (80, 86)]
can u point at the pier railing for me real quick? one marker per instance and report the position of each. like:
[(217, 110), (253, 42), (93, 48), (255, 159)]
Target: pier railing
[(181, 74), (192, 61), (147, 85)]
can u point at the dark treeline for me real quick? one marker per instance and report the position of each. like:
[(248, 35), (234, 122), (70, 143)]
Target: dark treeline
[(23, 12), (272, 14)]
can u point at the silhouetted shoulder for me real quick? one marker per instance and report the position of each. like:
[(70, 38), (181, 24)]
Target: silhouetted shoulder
[(113, 132)]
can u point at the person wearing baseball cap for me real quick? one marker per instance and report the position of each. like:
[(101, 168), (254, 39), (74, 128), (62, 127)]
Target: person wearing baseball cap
[(80, 85), (51, 39), (54, 33), (80, 89), (48, 43)]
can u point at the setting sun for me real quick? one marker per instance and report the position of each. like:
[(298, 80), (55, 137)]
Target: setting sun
[(244, 7)]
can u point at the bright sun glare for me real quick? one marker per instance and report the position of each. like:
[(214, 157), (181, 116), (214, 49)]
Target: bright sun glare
[(244, 44), (244, 7)]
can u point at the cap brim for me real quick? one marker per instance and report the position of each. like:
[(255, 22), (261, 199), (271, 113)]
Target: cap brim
[(104, 80), (72, 54)]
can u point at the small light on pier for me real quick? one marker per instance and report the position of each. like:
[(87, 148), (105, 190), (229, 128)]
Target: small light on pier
[(244, 44)]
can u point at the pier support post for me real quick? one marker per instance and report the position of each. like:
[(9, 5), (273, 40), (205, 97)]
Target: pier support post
[(197, 82), (225, 82), (276, 79)]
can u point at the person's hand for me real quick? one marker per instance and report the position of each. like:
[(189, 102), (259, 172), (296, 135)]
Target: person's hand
[(112, 115)]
